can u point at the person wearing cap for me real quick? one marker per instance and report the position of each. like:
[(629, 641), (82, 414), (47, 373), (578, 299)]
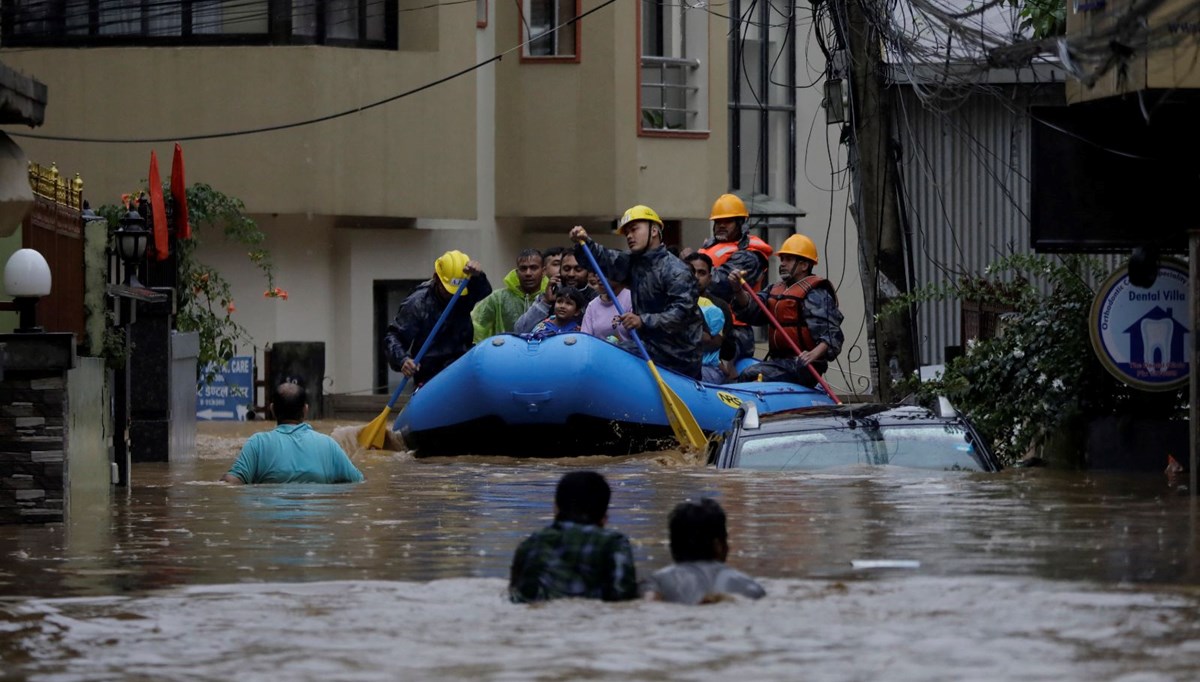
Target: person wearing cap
[(421, 310), (662, 290), (806, 307), (732, 249)]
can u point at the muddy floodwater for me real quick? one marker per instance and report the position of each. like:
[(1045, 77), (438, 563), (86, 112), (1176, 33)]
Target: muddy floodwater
[(871, 574)]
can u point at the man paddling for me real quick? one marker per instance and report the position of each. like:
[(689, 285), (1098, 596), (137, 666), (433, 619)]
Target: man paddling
[(421, 310), (661, 286), (805, 306)]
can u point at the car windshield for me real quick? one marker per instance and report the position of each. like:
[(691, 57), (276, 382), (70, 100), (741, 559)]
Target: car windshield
[(923, 446)]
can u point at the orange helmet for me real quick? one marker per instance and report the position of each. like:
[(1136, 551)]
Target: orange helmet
[(799, 245), (729, 206)]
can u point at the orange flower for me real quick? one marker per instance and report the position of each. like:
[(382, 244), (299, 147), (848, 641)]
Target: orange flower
[(231, 308), (275, 293)]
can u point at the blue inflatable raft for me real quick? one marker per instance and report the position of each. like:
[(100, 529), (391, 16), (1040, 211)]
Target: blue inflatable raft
[(569, 394)]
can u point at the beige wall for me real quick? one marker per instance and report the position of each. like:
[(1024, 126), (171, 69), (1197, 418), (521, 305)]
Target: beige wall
[(413, 157), (586, 113)]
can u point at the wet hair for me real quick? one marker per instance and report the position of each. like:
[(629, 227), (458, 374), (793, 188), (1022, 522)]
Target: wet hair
[(582, 497), (553, 251), (575, 294), (695, 528), (290, 399), (530, 253), (696, 255)]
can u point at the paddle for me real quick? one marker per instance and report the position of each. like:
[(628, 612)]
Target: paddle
[(687, 430), (373, 435), (762, 306)]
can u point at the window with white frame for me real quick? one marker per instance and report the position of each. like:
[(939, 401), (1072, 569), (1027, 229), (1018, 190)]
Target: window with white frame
[(674, 72), (547, 28)]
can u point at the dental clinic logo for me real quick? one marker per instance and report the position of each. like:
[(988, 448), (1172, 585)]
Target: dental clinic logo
[(1140, 334)]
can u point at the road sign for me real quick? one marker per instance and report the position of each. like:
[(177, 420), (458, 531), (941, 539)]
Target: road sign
[(231, 393), (1140, 334)]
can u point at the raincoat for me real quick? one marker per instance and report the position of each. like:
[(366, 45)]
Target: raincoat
[(498, 313), (664, 293), (416, 318)]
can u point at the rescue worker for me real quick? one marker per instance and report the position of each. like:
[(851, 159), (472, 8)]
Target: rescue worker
[(498, 313), (731, 250), (421, 310), (662, 290), (806, 307)]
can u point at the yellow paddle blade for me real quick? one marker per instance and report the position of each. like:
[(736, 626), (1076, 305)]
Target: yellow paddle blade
[(687, 430), (373, 435)]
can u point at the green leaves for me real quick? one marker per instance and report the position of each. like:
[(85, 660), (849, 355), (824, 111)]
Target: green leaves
[(1039, 375), (205, 298)]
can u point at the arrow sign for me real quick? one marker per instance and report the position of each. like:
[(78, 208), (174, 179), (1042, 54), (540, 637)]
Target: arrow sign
[(214, 414)]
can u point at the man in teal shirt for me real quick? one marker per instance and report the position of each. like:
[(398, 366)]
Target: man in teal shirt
[(293, 452)]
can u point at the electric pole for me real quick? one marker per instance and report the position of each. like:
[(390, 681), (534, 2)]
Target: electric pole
[(882, 244)]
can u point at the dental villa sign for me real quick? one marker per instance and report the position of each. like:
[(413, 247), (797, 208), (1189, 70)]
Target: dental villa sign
[(1141, 334)]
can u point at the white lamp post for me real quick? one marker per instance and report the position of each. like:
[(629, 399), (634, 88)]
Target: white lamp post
[(26, 279)]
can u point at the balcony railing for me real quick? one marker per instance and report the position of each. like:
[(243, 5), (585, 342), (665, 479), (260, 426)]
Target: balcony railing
[(669, 93)]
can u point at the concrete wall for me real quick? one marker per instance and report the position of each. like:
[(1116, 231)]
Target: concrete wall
[(412, 157)]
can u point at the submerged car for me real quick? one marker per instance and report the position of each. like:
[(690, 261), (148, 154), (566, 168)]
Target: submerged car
[(852, 434)]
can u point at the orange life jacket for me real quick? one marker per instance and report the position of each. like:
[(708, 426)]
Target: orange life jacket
[(786, 303), (720, 252)]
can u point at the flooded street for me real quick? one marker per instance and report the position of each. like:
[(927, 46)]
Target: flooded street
[(871, 574)]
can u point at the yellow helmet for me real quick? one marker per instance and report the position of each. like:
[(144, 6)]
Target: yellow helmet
[(799, 245), (729, 206), (449, 268), (636, 213)]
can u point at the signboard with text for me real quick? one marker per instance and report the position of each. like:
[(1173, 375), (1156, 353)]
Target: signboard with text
[(231, 393), (1140, 334)]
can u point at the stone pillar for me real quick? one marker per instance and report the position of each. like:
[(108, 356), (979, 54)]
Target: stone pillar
[(150, 380), (33, 426)]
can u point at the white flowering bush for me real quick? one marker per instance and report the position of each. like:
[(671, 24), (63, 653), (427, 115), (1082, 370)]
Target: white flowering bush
[(1039, 377)]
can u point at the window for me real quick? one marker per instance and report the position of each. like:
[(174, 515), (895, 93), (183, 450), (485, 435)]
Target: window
[(762, 110), (350, 23), (674, 73), (547, 30)]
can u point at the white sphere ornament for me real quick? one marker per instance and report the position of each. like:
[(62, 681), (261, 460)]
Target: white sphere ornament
[(27, 275)]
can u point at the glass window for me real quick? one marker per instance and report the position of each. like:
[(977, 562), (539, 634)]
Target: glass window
[(674, 73), (762, 110), (932, 446), (356, 23), (545, 28)]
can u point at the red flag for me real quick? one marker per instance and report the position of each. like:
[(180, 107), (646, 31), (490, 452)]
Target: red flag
[(159, 210), (183, 229)]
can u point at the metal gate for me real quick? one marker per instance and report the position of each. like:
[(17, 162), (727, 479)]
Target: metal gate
[(54, 228)]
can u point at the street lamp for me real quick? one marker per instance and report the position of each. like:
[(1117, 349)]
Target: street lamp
[(26, 279), (131, 241)]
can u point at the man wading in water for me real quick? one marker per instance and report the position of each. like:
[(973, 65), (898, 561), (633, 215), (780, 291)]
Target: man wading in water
[(292, 452)]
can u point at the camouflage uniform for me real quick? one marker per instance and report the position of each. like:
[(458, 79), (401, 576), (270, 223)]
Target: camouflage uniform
[(416, 318), (664, 295)]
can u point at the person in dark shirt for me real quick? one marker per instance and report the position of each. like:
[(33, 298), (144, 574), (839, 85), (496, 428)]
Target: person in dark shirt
[(576, 556)]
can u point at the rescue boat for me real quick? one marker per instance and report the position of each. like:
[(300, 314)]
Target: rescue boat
[(568, 394)]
